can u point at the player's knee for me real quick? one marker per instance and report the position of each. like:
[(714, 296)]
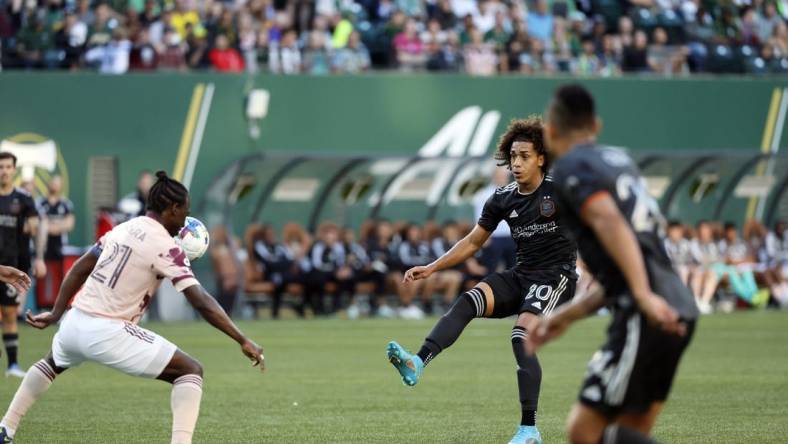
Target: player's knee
[(196, 368), (472, 303), (191, 366), (576, 434), (580, 431)]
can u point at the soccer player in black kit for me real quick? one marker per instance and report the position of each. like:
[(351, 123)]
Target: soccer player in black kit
[(18, 215), (620, 232), (542, 279)]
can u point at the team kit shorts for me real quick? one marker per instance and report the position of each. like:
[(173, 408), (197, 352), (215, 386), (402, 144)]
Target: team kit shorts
[(117, 344), (537, 292)]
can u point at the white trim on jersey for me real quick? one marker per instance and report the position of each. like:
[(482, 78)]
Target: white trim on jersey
[(506, 188), (621, 372)]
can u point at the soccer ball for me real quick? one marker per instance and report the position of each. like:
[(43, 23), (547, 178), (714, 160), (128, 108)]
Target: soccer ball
[(193, 238)]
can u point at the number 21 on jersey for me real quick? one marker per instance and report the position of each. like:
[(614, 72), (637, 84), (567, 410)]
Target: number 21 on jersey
[(108, 275)]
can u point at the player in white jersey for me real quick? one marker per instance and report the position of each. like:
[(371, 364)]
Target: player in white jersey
[(120, 274)]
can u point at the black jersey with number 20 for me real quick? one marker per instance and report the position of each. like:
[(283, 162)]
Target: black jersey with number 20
[(590, 170), (542, 242)]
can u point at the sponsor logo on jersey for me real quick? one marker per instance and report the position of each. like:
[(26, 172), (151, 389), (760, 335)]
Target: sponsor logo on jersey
[(513, 214), (16, 207), (533, 229), (7, 221), (547, 207)]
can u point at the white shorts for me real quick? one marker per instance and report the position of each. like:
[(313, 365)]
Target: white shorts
[(117, 344)]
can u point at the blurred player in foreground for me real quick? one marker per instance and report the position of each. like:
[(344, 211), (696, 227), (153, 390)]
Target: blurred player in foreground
[(120, 274), (620, 235)]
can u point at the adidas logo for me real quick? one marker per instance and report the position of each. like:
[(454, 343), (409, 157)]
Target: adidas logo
[(513, 213), (592, 393), (537, 304)]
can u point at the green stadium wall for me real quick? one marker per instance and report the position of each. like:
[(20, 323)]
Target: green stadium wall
[(141, 119)]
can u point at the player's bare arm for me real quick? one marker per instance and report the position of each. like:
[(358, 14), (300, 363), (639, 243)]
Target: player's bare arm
[(461, 251), (73, 281), (215, 315), (38, 226), (18, 279), (601, 213)]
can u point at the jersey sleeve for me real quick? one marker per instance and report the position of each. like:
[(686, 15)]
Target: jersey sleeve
[(174, 265), (69, 206), (578, 181), (98, 247), (492, 213), (30, 209)]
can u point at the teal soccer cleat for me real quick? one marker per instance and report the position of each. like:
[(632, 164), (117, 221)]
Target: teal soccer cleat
[(526, 435), (409, 366)]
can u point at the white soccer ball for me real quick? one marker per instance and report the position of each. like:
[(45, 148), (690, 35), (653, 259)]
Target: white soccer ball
[(193, 238)]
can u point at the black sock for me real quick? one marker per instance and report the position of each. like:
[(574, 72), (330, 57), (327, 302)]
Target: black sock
[(529, 377), (528, 418), (11, 342), (616, 434), (449, 327)]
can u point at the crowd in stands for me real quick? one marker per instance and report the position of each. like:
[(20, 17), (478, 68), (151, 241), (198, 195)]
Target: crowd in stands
[(335, 270), (480, 37), (717, 259)]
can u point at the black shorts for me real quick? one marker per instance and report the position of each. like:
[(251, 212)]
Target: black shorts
[(537, 292), (9, 296), (635, 367)]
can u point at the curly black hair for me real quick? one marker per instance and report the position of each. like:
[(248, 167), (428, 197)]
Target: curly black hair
[(521, 130), (166, 192)]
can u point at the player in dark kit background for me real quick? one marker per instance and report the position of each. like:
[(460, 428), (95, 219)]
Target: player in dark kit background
[(542, 279), (18, 216), (59, 213), (620, 234)]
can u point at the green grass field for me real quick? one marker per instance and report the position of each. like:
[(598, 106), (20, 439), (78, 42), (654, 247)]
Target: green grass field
[(329, 381)]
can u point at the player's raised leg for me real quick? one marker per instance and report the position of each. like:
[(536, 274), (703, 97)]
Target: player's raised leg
[(185, 375), (37, 381), (476, 302)]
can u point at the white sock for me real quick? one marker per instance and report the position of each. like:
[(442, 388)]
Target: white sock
[(37, 380), (185, 402)]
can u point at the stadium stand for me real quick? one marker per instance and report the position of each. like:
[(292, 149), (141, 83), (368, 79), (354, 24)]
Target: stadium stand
[(583, 37)]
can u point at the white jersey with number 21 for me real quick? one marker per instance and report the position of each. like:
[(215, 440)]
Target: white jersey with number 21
[(134, 258)]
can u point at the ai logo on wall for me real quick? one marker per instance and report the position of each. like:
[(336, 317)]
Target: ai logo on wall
[(38, 159), (467, 133)]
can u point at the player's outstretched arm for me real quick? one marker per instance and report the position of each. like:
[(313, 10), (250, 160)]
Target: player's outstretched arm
[(215, 315), (460, 252), (17, 279), (616, 236), (75, 277)]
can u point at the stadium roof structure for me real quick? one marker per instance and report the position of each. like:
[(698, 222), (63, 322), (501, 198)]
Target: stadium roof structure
[(277, 187)]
